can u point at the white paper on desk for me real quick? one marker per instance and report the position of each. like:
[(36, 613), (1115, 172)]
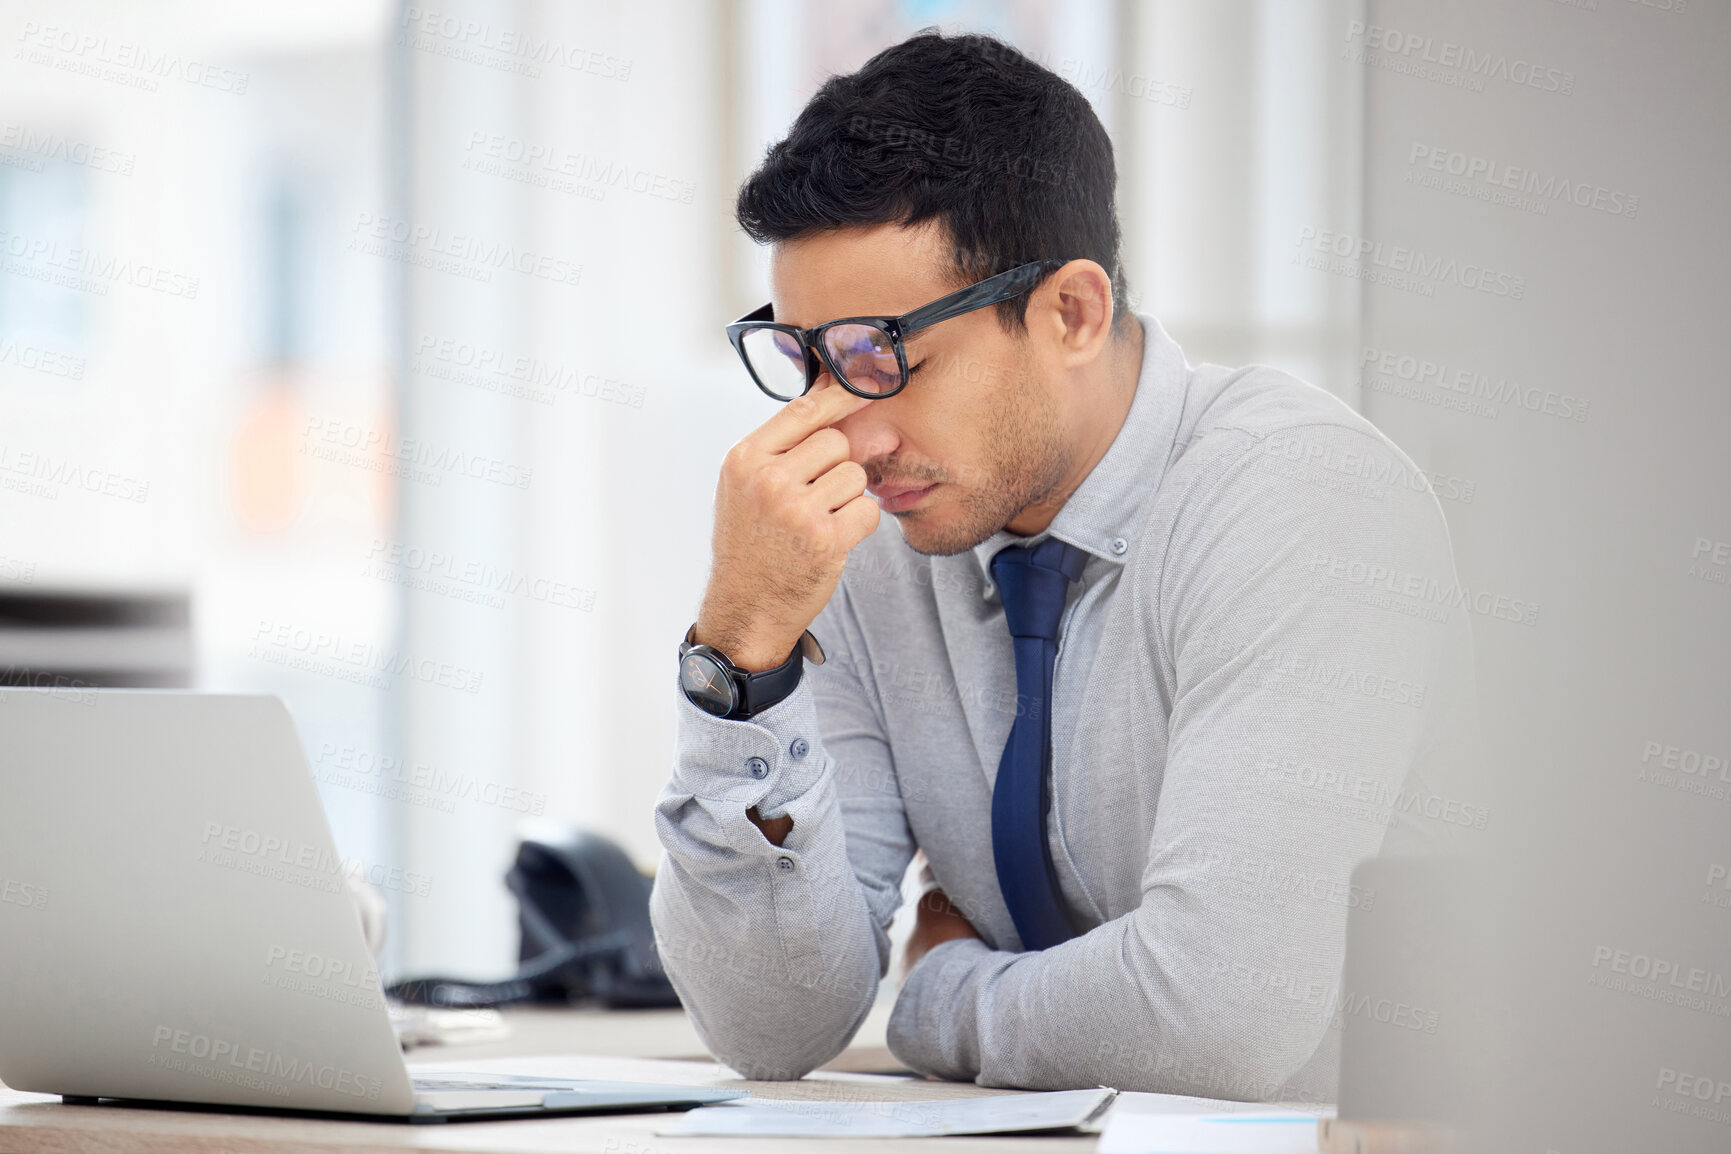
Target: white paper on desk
[(999, 1114), (1240, 1132)]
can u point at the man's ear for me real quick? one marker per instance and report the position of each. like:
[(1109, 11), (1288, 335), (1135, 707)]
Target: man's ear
[(1075, 311)]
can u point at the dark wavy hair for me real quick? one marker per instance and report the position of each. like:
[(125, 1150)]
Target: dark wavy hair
[(1005, 153)]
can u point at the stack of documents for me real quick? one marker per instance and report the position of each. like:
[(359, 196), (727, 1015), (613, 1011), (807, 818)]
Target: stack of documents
[(998, 1114), (1136, 1123)]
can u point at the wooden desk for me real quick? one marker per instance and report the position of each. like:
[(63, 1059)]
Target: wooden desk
[(637, 1047)]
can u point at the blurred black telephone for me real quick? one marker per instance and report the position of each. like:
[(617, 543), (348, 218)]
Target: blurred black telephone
[(583, 910)]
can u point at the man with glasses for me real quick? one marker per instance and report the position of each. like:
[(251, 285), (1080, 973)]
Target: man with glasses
[(1145, 659)]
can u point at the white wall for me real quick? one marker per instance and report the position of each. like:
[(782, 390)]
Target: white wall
[(1589, 497)]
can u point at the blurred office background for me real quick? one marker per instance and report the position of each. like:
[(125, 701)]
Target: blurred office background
[(371, 354)]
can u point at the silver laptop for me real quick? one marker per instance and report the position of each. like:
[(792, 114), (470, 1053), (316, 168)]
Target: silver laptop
[(175, 924)]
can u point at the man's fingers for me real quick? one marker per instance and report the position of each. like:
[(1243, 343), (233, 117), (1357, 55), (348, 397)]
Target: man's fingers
[(840, 485), (803, 416), (816, 455), (859, 517)]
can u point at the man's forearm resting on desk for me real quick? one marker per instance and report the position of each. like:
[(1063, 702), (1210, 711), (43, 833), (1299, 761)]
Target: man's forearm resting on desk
[(777, 950)]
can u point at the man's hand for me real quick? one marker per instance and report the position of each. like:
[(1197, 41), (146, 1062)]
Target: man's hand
[(789, 506), (936, 921), (773, 829)]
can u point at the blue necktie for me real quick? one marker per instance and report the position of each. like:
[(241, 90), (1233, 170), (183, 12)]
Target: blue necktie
[(1033, 582)]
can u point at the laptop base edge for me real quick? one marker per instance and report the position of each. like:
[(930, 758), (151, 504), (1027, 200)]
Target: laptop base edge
[(418, 1119)]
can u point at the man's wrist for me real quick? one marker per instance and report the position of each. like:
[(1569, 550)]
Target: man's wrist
[(746, 653)]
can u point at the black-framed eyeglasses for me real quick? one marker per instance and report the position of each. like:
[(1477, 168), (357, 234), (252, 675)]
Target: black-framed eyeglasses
[(864, 354)]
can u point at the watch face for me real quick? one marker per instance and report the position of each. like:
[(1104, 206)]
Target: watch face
[(706, 683)]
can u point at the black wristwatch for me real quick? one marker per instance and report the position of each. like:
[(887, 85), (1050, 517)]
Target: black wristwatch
[(716, 685)]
